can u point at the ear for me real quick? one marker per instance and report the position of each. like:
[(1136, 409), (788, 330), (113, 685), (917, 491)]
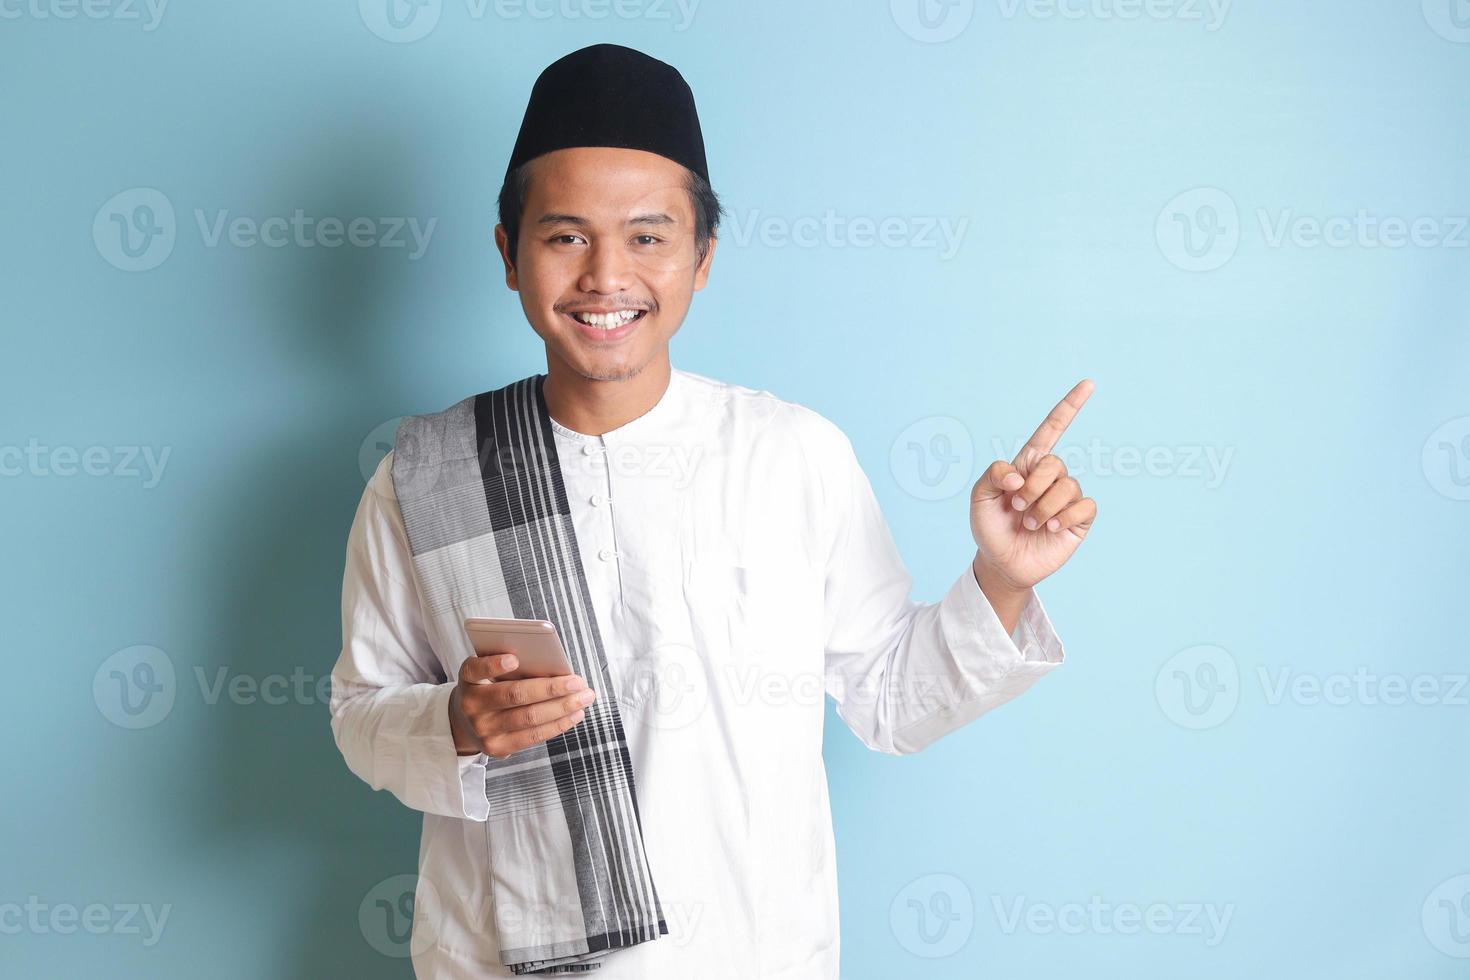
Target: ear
[(502, 243), (701, 274)]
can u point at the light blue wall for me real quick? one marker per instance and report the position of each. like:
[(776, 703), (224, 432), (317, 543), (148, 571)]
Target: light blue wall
[(1327, 533)]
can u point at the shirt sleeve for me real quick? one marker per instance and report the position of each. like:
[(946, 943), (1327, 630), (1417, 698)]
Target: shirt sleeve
[(390, 693), (904, 673)]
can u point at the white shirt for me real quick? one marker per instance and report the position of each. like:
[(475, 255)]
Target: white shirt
[(740, 569)]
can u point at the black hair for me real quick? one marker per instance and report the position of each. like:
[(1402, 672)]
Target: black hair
[(707, 207)]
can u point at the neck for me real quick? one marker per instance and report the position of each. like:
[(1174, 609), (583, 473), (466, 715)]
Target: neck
[(594, 407)]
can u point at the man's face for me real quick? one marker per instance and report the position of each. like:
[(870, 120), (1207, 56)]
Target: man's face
[(606, 264)]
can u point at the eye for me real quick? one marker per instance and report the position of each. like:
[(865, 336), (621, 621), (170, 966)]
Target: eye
[(567, 239), (647, 239)]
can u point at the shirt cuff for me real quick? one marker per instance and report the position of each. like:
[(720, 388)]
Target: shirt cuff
[(461, 778), (1034, 643), (984, 667)]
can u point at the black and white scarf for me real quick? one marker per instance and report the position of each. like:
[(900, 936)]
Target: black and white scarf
[(485, 508)]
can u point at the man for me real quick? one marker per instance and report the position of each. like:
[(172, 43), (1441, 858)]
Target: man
[(713, 558)]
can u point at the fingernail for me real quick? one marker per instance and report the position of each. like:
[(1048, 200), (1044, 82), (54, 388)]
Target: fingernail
[(1030, 523), (1053, 524), (576, 684), (509, 663), (586, 697), (1018, 503)]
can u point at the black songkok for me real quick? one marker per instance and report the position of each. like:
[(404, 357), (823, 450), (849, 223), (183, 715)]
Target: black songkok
[(609, 95)]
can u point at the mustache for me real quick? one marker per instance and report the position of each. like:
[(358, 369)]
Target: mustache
[(616, 306)]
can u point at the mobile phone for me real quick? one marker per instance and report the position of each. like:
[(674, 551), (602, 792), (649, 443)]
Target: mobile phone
[(534, 642)]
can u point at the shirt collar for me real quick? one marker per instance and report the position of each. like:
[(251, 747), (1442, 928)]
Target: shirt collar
[(668, 409)]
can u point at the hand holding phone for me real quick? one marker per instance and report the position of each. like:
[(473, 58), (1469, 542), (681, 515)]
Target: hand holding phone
[(502, 703)]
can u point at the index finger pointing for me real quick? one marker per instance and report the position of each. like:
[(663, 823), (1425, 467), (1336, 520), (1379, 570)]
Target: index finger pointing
[(1052, 427)]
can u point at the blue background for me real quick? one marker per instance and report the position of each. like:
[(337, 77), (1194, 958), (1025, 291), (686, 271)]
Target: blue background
[(1334, 376)]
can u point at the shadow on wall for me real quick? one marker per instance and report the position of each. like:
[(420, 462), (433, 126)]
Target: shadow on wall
[(282, 785)]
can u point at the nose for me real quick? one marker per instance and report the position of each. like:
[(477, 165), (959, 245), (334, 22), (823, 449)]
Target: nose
[(609, 269)]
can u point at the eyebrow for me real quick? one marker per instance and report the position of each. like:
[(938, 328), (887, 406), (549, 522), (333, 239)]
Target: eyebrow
[(653, 218)]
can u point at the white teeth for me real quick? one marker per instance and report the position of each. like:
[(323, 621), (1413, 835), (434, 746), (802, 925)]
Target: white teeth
[(607, 321)]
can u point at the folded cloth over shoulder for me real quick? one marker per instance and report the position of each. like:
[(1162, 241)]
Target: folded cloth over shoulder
[(486, 512)]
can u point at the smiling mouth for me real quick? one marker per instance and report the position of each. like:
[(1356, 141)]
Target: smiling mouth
[(608, 321)]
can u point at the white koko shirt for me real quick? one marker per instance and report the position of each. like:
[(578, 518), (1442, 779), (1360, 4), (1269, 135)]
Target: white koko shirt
[(740, 570)]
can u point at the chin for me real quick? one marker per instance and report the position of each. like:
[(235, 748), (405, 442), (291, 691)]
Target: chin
[(614, 374), (605, 368)]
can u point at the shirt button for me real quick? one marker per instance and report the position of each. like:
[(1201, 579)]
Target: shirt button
[(606, 554), (588, 449), (595, 500)]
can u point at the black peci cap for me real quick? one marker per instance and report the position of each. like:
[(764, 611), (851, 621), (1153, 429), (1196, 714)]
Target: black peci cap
[(609, 95)]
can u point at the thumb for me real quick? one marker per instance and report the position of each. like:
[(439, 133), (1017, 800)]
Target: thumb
[(999, 478), (483, 668)]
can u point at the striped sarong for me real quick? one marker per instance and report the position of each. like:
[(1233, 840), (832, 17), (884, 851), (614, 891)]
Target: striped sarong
[(485, 508)]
